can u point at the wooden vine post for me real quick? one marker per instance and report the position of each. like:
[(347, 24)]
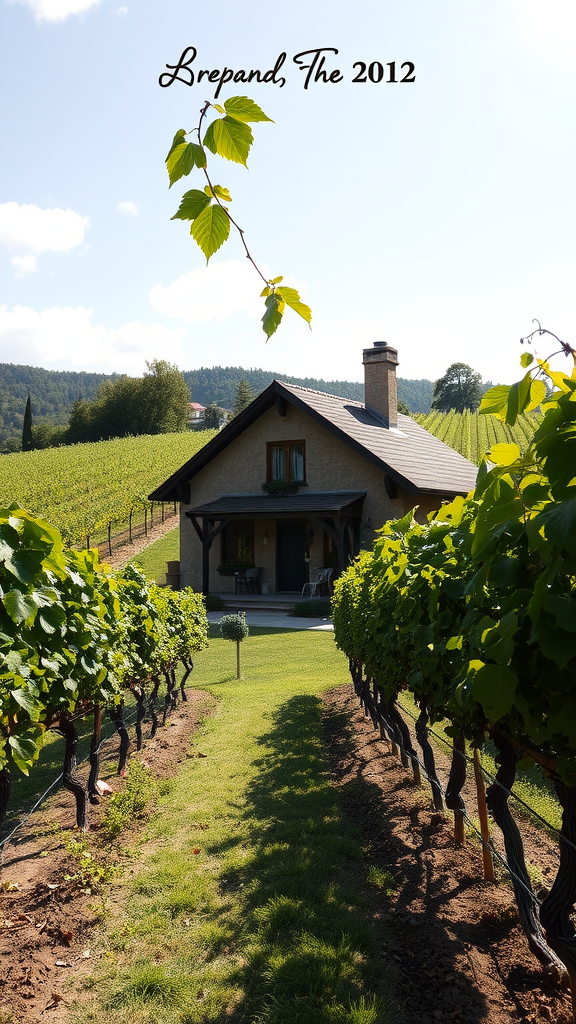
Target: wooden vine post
[(456, 780), (487, 860)]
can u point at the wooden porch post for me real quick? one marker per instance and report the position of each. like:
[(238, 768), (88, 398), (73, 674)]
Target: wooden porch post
[(206, 542), (340, 532), (206, 536)]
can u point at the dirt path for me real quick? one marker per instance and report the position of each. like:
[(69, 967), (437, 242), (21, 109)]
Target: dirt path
[(459, 950), (125, 552)]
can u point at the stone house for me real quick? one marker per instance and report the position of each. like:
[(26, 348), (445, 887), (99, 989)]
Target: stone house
[(334, 470)]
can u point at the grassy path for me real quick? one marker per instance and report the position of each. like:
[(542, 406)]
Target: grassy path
[(249, 900)]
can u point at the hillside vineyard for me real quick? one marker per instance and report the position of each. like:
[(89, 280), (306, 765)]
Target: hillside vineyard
[(471, 433), (82, 488)]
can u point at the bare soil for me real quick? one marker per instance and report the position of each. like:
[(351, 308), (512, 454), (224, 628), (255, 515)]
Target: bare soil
[(46, 921), (124, 550), (460, 953)]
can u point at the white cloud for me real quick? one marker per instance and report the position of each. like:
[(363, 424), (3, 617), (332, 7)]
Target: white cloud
[(127, 206), (30, 230), (57, 10), (24, 264), (122, 12), (215, 292), (67, 337)]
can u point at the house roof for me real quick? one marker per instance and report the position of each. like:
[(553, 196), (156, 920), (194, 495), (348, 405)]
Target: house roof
[(408, 454), (322, 502), (197, 407)]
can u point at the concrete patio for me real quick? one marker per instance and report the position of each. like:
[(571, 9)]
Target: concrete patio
[(273, 619)]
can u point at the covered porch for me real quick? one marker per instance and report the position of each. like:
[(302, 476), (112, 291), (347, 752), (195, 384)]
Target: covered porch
[(283, 536)]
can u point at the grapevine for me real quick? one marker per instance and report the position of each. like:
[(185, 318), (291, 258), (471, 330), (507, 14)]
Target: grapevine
[(208, 209), (475, 612), (74, 637), (83, 488)]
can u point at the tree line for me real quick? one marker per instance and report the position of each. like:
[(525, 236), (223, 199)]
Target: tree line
[(54, 392), (158, 402)]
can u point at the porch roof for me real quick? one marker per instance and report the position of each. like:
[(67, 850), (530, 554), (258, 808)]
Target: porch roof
[(270, 505)]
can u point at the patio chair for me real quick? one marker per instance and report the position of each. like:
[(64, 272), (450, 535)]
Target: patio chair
[(247, 579), (324, 583), (318, 579)]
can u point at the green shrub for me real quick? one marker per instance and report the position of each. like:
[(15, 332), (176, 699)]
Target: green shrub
[(314, 608), (214, 603), (234, 627)]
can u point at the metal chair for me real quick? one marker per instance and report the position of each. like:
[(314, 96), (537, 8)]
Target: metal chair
[(318, 579), (247, 579)]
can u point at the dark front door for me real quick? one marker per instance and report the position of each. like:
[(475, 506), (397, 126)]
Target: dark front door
[(291, 554)]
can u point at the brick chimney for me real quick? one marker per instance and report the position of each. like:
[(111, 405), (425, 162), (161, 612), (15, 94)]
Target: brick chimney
[(380, 393)]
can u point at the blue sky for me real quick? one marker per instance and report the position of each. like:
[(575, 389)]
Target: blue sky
[(437, 215)]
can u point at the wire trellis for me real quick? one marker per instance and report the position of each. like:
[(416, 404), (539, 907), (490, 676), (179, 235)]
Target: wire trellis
[(104, 739)]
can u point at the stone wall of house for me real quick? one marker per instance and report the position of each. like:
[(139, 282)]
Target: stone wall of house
[(331, 465)]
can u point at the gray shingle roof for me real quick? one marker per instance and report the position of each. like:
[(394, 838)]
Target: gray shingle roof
[(410, 451), (268, 504), (414, 458)]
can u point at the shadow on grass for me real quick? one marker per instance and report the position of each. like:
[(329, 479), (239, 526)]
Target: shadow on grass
[(313, 953)]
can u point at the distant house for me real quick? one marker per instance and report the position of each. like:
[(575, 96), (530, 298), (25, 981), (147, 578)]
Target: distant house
[(196, 413), (335, 470)]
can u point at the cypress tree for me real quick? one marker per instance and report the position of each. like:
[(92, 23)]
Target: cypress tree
[(27, 427), (244, 395)]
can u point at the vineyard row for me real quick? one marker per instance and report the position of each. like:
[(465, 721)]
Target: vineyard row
[(471, 433), (85, 490), (473, 613)]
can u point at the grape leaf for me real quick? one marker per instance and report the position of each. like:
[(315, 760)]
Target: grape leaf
[(494, 687), (274, 312), (199, 155), (25, 564), (191, 205), (504, 454), (537, 394), (24, 749), (558, 523), (19, 606), (495, 400), (292, 299), (229, 138), (514, 401), (244, 109), (180, 161), (176, 141), (25, 699), (210, 229)]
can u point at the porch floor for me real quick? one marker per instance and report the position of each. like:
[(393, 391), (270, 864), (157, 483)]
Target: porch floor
[(281, 602)]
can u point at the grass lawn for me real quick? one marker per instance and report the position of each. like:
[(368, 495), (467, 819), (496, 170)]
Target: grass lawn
[(249, 899), (152, 560)]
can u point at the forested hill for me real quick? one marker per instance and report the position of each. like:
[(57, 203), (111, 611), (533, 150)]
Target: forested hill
[(53, 392), (216, 384)]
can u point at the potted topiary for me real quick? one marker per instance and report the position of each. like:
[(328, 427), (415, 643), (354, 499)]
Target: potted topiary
[(235, 627)]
